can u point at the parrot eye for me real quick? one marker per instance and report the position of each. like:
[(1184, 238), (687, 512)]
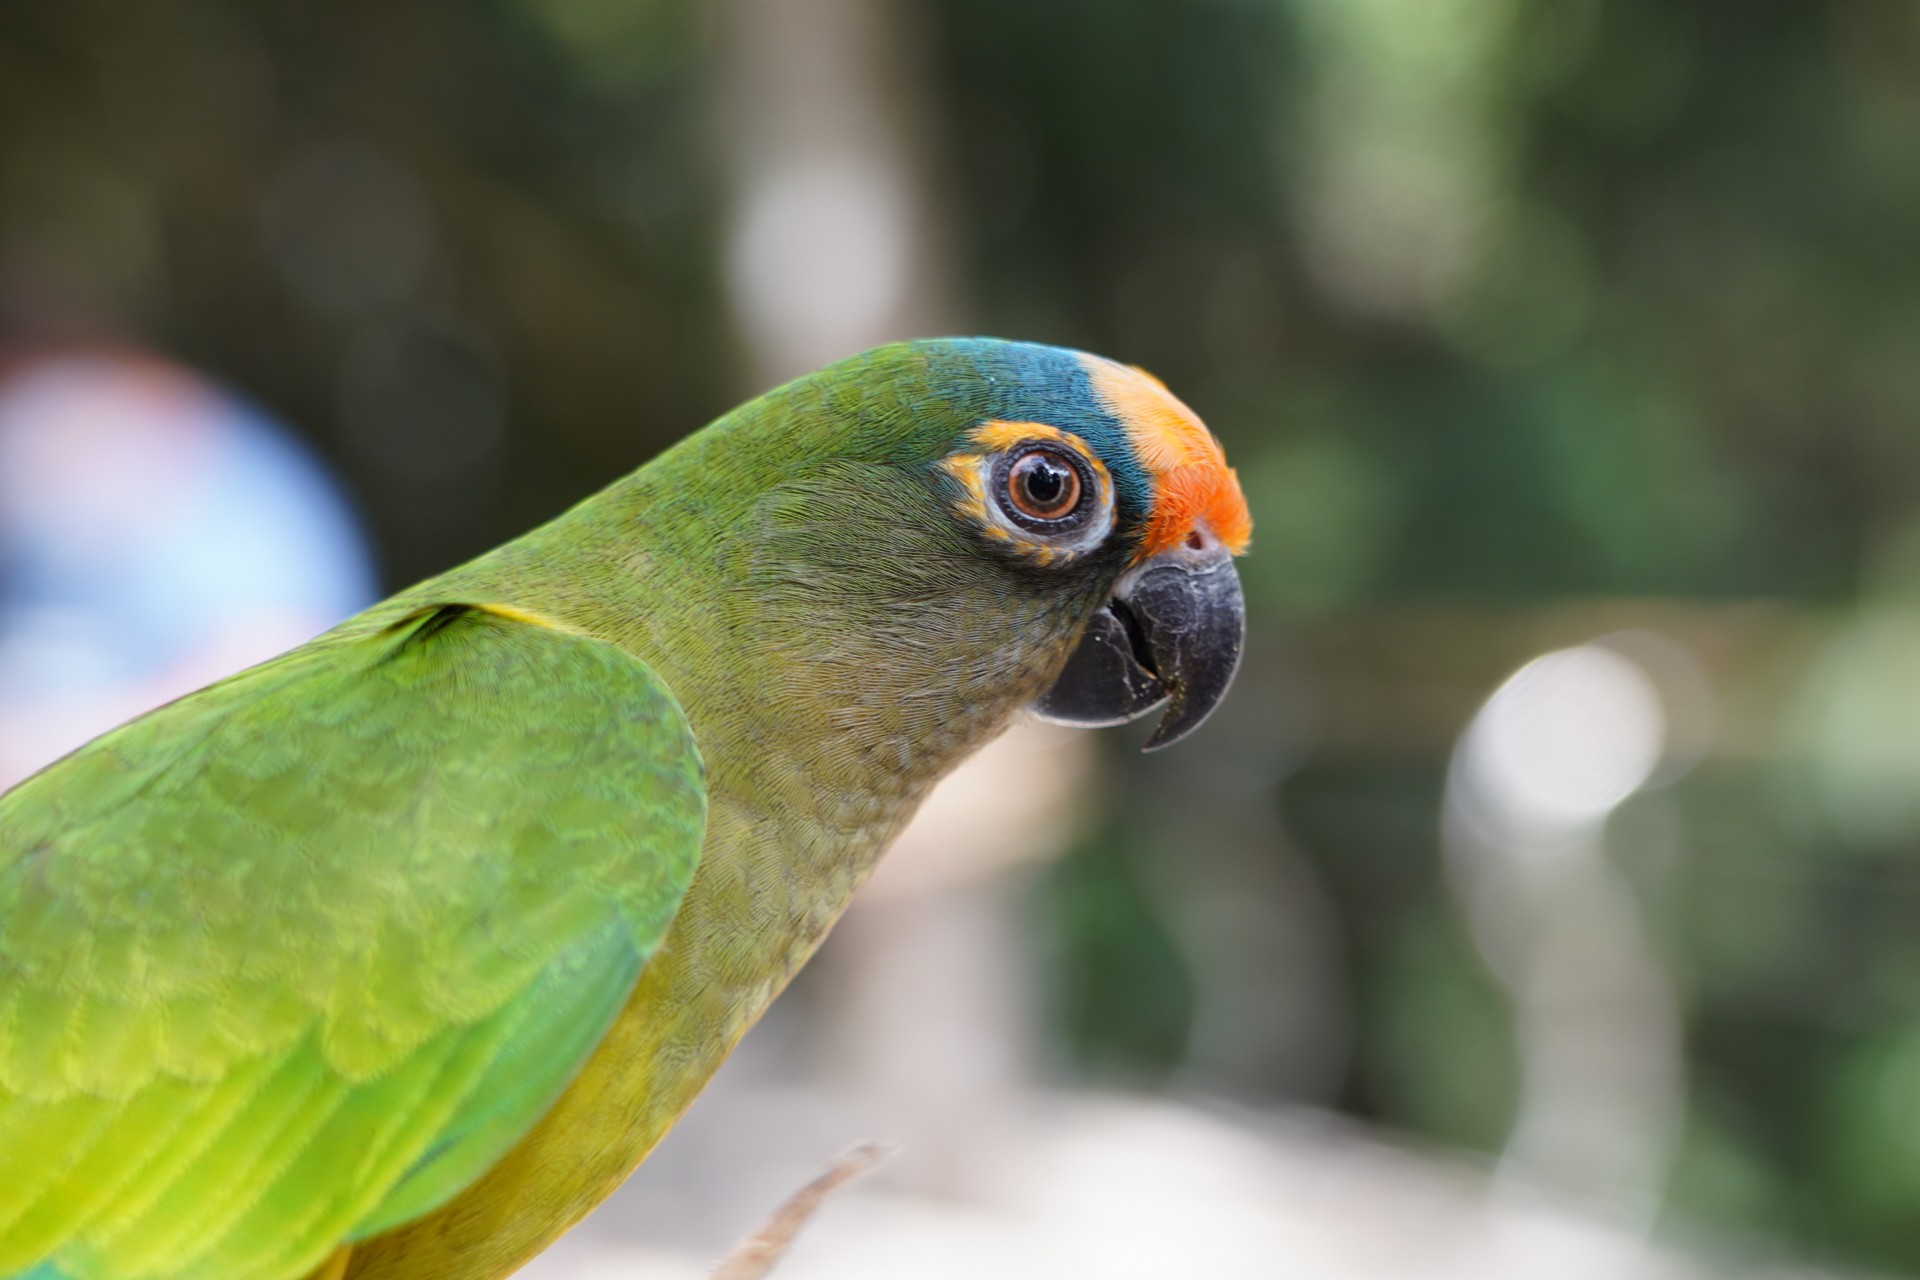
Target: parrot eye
[(1042, 488), (1034, 490)]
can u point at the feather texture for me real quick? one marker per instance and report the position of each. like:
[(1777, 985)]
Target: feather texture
[(296, 957)]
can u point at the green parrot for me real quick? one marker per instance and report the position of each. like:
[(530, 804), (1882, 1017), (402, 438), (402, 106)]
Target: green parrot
[(392, 956)]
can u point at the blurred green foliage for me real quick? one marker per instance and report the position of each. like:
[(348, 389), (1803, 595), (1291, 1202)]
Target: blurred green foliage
[(1496, 305)]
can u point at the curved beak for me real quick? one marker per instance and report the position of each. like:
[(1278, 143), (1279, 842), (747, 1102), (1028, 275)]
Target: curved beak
[(1170, 635)]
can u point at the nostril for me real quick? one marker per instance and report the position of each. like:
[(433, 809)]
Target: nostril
[(1196, 542)]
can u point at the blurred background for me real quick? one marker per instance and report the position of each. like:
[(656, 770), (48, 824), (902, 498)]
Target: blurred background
[(1543, 902)]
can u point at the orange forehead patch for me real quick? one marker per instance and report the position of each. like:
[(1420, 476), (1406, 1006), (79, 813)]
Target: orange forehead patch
[(1191, 478)]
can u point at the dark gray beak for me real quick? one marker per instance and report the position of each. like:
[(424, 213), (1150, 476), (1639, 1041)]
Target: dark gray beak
[(1171, 635)]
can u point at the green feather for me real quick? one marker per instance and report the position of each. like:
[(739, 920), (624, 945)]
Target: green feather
[(297, 956)]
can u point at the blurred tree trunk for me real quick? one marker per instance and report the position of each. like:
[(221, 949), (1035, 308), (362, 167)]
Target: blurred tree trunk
[(835, 241), (835, 244)]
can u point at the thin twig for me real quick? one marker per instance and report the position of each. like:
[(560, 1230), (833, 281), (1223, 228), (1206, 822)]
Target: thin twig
[(757, 1255)]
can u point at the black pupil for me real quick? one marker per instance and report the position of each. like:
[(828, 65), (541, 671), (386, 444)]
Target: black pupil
[(1046, 480)]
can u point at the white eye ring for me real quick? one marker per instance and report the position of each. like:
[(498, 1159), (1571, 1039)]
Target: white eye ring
[(981, 474), (1080, 530)]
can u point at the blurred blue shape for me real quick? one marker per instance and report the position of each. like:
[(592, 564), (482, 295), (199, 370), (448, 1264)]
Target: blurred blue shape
[(156, 533)]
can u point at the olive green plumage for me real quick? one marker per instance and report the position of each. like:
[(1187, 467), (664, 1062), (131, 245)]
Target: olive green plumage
[(396, 930)]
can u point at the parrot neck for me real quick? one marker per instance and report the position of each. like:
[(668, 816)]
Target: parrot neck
[(824, 702), (836, 647)]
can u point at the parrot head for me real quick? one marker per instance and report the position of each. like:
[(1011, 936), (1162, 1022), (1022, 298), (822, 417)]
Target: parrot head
[(1094, 475), (965, 525)]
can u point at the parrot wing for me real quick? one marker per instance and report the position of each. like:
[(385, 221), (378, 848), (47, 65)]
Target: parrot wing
[(294, 959)]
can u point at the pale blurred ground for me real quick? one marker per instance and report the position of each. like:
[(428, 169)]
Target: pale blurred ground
[(1103, 1187)]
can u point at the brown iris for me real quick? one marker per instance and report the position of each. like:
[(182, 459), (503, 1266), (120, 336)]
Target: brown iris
[(1042, 485)]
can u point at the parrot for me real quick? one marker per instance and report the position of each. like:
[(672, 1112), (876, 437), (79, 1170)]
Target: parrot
[(392, 956)]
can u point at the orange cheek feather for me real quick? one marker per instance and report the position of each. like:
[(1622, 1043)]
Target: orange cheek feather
[(1192, 481)]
